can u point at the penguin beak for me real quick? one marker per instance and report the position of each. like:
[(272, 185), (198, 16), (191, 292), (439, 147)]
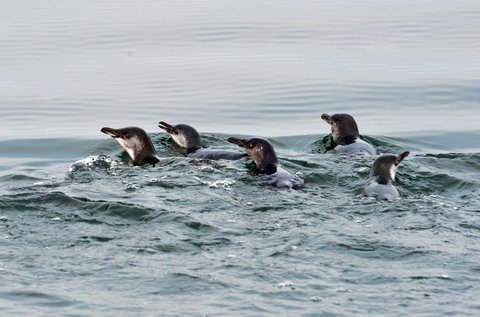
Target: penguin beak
[(167, 127), (401, 157), (327, 118), (239, 142), (114, 133)]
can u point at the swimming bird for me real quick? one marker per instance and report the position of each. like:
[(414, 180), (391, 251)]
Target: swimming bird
[(138, 145), (261, 151), (346, 136), (189, 140), (381, 178)]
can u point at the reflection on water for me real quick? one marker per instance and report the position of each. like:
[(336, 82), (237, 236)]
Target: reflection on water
[(263, 68)]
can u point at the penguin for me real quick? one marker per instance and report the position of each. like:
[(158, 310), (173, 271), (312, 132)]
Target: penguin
[(138, 145), (381, 178), (346, 136), (189, 140), (261, 151)]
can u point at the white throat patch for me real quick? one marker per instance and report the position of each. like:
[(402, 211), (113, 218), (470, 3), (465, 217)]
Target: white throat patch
[(393, 170), (180, 139), (127, 147)]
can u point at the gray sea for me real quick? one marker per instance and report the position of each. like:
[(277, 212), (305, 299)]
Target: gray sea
[(82, 233)]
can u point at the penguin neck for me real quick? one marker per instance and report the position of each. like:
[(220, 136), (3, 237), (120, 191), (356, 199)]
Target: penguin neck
[(346, 140), (186, 151), (189, 143), (382, 180), (150, 159), (385, 176), (268, 167)]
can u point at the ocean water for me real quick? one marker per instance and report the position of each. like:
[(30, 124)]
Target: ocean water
[(82, 233)]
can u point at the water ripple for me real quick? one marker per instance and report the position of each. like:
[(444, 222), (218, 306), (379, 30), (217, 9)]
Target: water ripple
[(199, 238)]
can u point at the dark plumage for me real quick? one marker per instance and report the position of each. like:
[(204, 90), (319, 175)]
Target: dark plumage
[(261, 151), (189, 140)]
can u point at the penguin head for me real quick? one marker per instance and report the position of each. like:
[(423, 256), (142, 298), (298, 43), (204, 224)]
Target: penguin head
[(184, 135), (343, 126), (136, 142), (385, 167), (261, 151)]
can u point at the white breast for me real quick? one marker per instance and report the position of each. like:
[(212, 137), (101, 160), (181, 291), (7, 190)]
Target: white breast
[(381, 191), (284, 179), (359, 147)]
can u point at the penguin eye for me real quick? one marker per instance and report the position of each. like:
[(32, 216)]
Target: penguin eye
[(250, 145), (128, 135)]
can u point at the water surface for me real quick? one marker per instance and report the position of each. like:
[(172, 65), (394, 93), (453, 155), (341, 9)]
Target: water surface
[(82, 233)]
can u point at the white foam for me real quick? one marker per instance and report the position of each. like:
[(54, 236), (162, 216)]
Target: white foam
[(225, 184)]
